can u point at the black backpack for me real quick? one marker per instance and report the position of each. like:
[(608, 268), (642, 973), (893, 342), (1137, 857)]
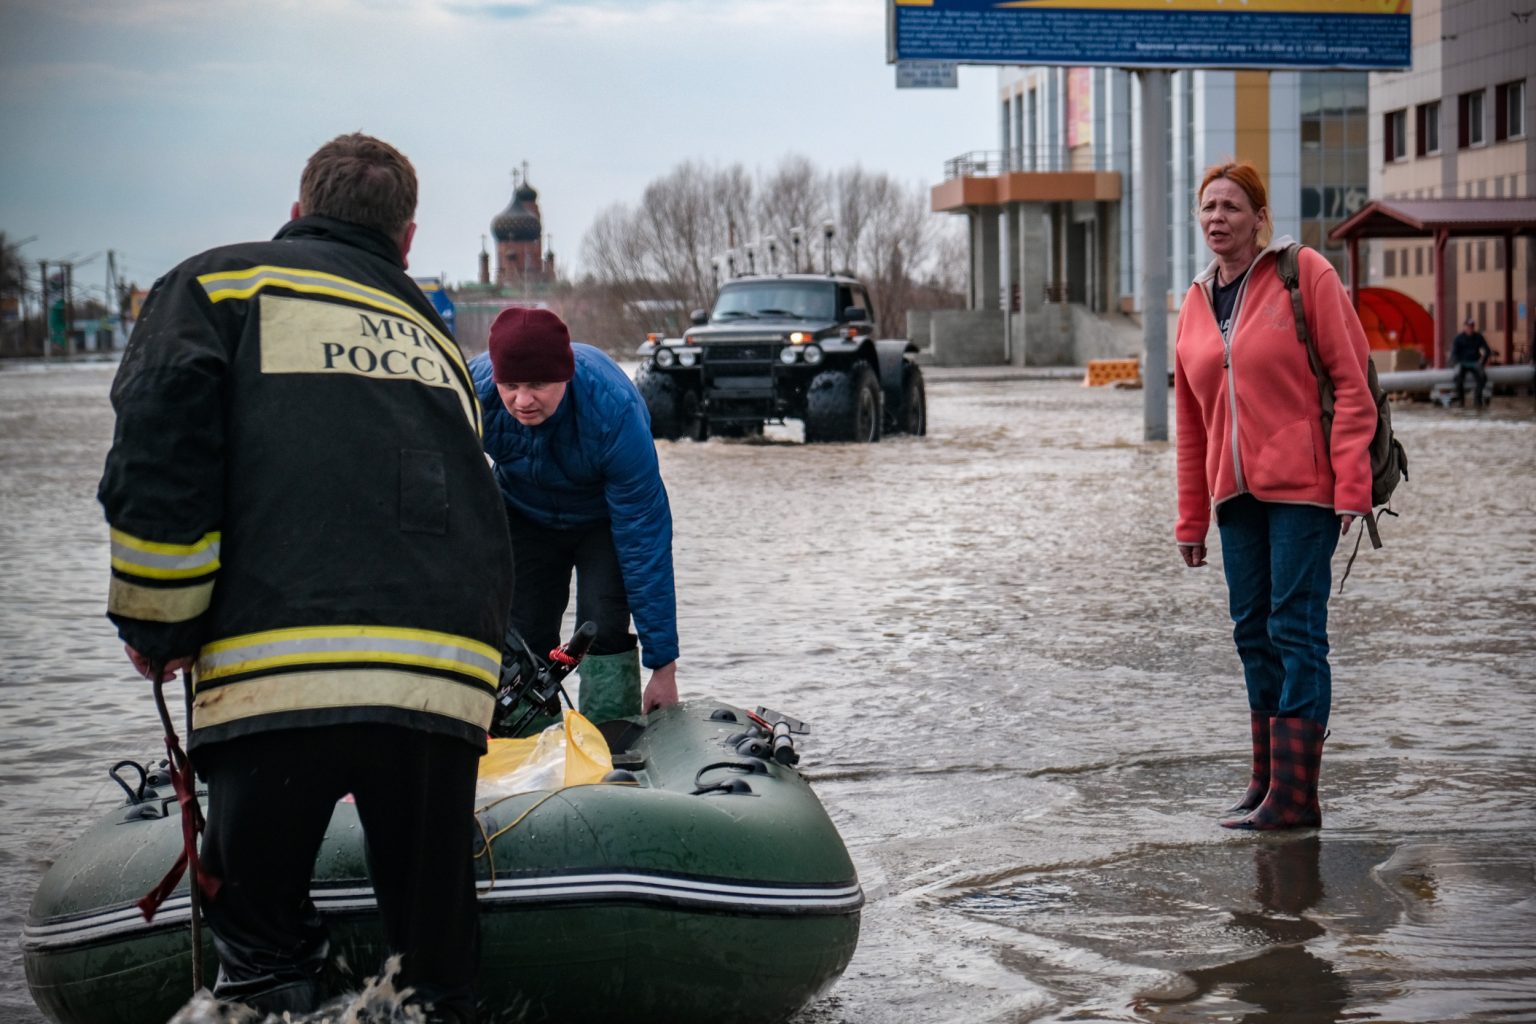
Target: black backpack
[(1389, 463)]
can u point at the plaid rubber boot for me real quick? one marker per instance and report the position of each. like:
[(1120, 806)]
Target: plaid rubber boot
[(1295, 758), (1258, 783)]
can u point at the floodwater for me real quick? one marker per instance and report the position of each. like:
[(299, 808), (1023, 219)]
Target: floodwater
[(1026, 712)]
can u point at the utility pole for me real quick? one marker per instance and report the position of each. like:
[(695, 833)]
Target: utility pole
[(42, 273), (69, 314), (111, 301), (1154, 252)]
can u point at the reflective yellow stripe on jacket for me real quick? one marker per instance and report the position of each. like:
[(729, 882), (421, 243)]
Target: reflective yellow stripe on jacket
[(312, 667), (161, 582), (243, 284)]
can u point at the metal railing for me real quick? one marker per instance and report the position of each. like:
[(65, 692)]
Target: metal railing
[(981, 163)]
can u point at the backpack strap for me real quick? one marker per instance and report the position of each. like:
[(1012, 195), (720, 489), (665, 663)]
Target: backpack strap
[(1288, 265)]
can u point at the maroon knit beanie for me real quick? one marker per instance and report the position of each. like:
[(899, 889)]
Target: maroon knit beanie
[(530, 346)]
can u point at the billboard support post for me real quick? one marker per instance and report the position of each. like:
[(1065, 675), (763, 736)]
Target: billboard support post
[(1154, 252)]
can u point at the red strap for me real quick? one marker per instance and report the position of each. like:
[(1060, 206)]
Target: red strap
[(191, 825), (561, 655)]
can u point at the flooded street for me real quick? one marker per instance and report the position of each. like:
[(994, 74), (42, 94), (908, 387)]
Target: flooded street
[(1026, 713)]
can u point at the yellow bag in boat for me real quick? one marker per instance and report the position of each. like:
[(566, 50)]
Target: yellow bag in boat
[(587, 757), (571, 753)]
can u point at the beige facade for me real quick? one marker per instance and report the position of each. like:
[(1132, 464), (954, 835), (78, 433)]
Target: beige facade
[(1458, 125)]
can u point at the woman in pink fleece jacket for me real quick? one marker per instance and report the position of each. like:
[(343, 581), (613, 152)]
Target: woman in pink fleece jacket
[(1251, 446)]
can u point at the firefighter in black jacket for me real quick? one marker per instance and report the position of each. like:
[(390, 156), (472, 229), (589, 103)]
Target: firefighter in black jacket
[(300, 511)]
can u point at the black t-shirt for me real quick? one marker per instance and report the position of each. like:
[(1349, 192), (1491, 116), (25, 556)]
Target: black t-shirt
[(1224, 299)]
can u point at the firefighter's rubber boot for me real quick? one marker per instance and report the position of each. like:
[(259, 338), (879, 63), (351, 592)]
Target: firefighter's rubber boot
[(1295, 760), (1258, 782), (610, 686)]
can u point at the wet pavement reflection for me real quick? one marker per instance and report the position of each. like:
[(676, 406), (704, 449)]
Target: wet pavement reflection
[(1026, 713)]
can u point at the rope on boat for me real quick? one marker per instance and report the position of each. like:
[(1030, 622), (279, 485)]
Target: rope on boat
[(485, 850), (200, 883), (487, 840)]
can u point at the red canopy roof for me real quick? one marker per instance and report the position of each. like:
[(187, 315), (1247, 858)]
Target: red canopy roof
[(1422, 218)]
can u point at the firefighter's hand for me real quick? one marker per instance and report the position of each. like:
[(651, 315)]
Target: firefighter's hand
[(661, 691), (1194, 554), (1345, 521), (141, 665)]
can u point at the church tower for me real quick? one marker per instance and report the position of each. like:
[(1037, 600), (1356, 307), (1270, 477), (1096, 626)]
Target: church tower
[(519, 235)]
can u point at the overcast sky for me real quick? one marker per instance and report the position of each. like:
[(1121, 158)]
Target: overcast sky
[(159, 128)]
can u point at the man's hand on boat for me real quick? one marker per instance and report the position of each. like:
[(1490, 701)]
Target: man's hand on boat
[(141, 665), (661, 691)]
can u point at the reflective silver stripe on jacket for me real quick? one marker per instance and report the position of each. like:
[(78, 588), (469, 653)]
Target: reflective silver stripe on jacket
[(159, 561)]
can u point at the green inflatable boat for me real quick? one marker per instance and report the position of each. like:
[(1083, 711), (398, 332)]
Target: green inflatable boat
[(704, 884)]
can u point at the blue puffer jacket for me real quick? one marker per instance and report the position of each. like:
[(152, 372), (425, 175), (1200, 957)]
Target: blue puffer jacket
[(593, 460)]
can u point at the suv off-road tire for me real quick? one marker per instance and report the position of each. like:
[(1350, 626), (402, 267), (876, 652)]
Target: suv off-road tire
[(843, 406), (670, 417), (911, 413)]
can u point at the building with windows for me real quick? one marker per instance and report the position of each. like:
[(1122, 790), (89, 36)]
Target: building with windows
[(1054, 224), (1053, 211), (1457, 127)]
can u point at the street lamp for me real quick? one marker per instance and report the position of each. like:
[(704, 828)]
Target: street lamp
[(794, 240), (827, 231), (773, 253)]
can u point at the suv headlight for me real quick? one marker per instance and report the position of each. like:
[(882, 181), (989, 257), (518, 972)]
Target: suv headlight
[(665, 357), (788, 354), (687, 357), (812, 354)]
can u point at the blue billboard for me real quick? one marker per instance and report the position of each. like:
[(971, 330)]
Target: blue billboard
[(1275, 34), (436, 290)]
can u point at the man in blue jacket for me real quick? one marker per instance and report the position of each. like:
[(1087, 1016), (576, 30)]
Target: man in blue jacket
[(571, 441)]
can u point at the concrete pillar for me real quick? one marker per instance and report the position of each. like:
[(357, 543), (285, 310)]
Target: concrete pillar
[(1032, 257), (985, 267)]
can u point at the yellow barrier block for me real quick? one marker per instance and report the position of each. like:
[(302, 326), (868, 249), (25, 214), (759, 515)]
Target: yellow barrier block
[(1108, 371)]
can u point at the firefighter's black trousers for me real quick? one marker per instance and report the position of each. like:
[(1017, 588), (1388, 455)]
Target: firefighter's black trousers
[(270, 797)]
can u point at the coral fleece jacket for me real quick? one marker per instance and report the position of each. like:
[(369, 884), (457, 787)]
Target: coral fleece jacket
[(1248, 416)]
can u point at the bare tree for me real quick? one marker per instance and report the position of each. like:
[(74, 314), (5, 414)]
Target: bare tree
[(693, 226), (13, 285), (793, 201)]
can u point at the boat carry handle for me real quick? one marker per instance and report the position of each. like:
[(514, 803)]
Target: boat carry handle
[(135, 794)]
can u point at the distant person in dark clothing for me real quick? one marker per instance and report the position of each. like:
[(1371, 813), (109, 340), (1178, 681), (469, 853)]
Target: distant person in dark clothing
[(1470, 353)]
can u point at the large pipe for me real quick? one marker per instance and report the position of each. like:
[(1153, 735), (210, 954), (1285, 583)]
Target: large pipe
[(1425, 380)]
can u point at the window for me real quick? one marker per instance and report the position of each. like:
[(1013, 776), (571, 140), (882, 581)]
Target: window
[(1509, 111), (1395, 135), (1427, 135), (1482, 255), (1418, 259), (1389, 263), (1469, 119)]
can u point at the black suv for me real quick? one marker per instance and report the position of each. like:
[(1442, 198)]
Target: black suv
[(789, 346)]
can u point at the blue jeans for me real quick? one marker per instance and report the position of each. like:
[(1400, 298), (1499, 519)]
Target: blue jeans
[(1278, 561)]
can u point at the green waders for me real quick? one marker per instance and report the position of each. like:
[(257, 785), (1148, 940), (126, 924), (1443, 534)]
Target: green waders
[(610, 686)]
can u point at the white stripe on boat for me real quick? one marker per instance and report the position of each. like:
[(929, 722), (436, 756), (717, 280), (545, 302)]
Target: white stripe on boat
[(761, 898)]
